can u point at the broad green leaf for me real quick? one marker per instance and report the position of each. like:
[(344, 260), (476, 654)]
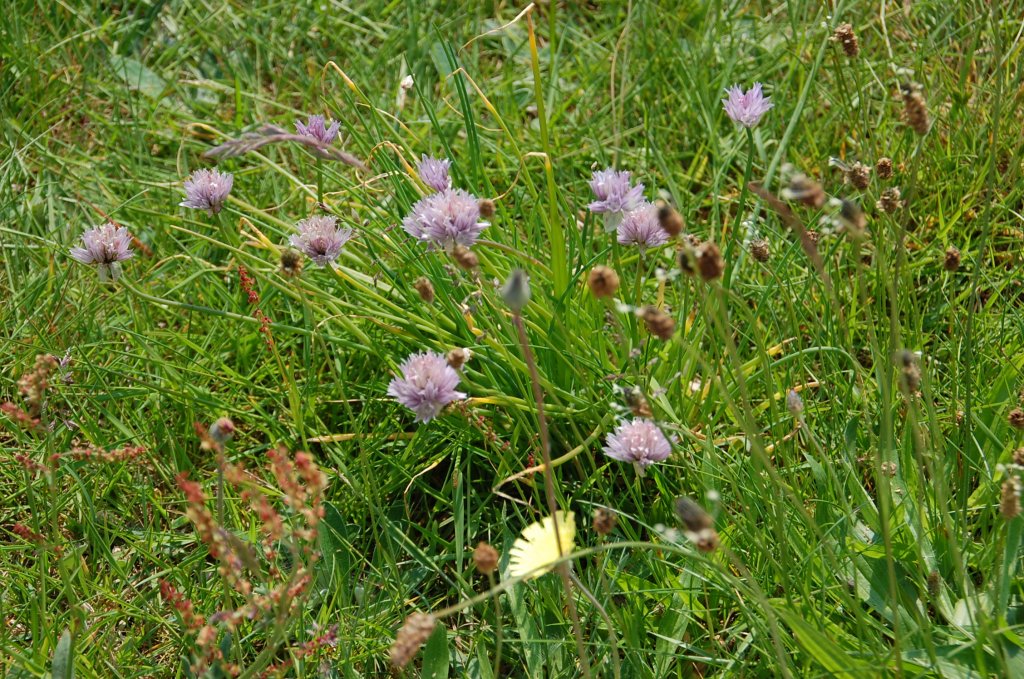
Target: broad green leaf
[(436, 660), (63, 658)]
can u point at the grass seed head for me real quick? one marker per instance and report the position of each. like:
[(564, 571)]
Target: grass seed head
[(1016, 418)]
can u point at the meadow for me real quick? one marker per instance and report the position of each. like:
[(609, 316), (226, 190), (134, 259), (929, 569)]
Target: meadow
[(574, 339)]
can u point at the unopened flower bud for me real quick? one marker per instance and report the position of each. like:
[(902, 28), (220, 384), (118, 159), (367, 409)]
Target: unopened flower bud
[(794, 403), (603, 281), (222, 431), (516, 291)]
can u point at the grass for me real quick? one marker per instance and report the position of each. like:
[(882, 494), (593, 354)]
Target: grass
[(860, 537)]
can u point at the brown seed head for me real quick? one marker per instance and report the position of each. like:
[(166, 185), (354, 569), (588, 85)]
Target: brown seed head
[(604, 521), (458, 357), (890, 200), (804, 190), (760, 250), (883, 168), (670, 219), (934, 583), (658, 323), (706, 540), (952, 259), (485, 558), (291, 262), (852, 218), (1016, 418), (465, 257), (425, 289), (692, 515), (910, 373), (859, 175), (487, 208), (638, 404), (915, 111), (1009, 502), (687, 259), (414, 633), (710, 262), (845, 36), (1018, 457), (603, 281)]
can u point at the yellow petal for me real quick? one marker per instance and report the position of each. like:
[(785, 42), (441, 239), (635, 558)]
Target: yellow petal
[(537, 549)]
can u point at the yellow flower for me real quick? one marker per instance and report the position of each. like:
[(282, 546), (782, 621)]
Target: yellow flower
[(537, 549)]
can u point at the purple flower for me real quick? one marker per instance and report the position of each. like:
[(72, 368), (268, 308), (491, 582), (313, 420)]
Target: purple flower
[(639, 441), (105, 247), (446, 218), (642, 228), (426, 386), (207, 190), (323, 131), (434, 172), (746, 108), (615, 196), (320, 238)]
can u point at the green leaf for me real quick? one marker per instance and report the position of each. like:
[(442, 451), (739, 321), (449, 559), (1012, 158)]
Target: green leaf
[(63, 658), (436, 658), (138, 76), (823, 650)]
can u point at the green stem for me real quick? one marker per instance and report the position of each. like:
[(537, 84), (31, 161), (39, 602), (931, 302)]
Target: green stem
[(732, 240)]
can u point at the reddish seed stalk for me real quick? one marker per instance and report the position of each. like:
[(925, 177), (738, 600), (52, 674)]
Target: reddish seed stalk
[(549, 490)]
